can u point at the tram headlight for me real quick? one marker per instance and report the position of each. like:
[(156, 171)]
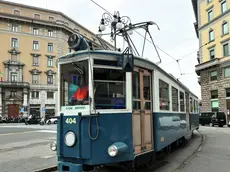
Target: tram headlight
[(113, 151), (70, 138), (53, 146)]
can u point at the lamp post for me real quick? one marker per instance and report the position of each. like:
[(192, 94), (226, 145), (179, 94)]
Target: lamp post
[(116, 22)]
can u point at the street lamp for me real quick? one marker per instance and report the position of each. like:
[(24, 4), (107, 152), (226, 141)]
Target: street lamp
[(116, 22)]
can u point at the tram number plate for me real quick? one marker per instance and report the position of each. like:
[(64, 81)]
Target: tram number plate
[(70, 121)]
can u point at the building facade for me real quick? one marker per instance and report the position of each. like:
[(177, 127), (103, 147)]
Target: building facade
[(31, 40), (212, 28)]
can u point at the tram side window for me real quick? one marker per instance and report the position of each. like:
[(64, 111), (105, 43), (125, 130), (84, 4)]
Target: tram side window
[(164, 95), (191, 105), (174, 99), (194, 106), (182, 102), (109, 88)]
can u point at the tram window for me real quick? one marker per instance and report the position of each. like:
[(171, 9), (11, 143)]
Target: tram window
[(182, 102), (174, 99), (146, 87), (136, 85), (194, 106), (191, 105), (163, 95), (109, 89), (74, 84)]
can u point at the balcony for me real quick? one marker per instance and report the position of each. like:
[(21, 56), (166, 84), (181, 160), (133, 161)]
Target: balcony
[(14, 84)]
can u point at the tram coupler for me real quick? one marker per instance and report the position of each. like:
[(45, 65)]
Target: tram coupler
[(70, 167)]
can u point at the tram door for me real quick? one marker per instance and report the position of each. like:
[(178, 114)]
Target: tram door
[(142, 110), (187, 109)]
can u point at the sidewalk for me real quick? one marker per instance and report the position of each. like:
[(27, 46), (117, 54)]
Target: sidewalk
[(177, 159)]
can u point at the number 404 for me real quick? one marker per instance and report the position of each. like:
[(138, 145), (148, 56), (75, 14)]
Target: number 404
[(70, 121)]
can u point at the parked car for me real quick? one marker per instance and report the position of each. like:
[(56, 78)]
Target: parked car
[(205, 118), (219, 118), (32, 119), (52, 120)]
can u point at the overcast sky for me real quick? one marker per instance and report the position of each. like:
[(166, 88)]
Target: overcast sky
[(176, 37)]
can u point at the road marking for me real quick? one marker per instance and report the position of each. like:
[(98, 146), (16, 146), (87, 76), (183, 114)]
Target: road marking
[(48, 156), (15, 133), (24, 132)]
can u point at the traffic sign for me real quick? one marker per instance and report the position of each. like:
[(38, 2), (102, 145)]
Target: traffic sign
[(43, 109)]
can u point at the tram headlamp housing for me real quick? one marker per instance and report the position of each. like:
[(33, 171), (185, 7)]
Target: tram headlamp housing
[(117, 148), (113, 151), (70, 138), (53, 146)]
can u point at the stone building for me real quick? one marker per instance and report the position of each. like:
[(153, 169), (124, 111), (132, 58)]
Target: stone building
[(31, 40), (212, 28)]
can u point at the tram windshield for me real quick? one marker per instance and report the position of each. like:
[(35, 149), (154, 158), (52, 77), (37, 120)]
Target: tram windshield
[(74, 84)]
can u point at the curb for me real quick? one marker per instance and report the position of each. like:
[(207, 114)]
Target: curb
[(49, 169), (190, 157)]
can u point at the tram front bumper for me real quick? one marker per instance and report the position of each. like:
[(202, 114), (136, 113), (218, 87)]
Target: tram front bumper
[(69, 167)]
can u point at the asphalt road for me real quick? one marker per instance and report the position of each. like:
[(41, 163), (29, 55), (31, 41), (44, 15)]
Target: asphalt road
[(26, 148), (214, 155)]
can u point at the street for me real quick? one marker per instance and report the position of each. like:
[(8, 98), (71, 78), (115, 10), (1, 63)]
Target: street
[(214, 155), (26, 148)]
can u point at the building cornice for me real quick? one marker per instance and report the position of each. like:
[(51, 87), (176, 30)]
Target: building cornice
[(212, 63)]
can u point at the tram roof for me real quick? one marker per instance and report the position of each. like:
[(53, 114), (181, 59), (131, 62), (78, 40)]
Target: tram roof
[(116, 53)]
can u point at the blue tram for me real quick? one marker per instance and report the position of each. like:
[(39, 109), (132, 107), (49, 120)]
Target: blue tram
[(109, 116)]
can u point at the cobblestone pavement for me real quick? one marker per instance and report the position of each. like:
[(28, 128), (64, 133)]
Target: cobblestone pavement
[(214, 155)]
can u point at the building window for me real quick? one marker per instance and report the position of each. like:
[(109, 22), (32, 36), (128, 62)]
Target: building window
[(227, 92), (13, 57), (17, 12), (14, 27), (14, 42), (215, 105), (182, 102), (224, 28), (51, 18), (35, 61), (211, 35), (212, 54), (50, 33), (225, 49), (35, 45), (50, 95), (35, 78), (227, 72), (164, 95), (35, 31), (49, 79), (50, 61), (210, 15), (35, 94), (214, 94), (37, 16), (13, 76), (13, 94), (175, 102), (50, 47), (223, 6), (213, 75), (209, 1)]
